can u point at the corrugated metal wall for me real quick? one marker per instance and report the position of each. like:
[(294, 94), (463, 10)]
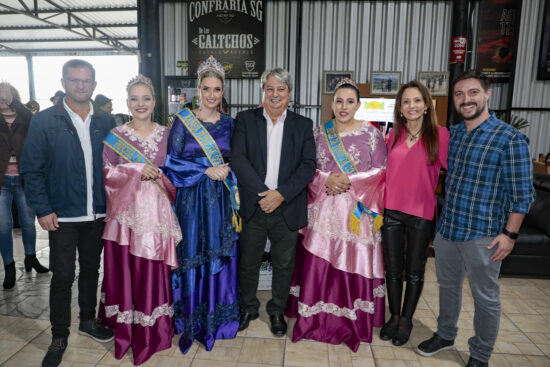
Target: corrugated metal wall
[(366, 36), (528, 91)]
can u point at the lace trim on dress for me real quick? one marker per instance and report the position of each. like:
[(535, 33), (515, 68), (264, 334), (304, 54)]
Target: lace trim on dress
[(138, 317), (209, 321), (149, 143), (295, 291), (331, 308), (137, 217), (334, 227)]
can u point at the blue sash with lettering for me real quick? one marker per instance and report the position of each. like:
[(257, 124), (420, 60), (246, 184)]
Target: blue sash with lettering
[(347, 166), (212, 152), (130, 153)]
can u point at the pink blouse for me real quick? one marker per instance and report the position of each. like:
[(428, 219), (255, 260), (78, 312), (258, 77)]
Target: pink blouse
[(410, 178)]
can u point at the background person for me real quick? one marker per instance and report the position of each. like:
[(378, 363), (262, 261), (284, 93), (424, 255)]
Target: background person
[(103, 103), (59, 95), (61, 167), (14, 123), (205, 284), (337, 292), (417, 149), (273, 155)]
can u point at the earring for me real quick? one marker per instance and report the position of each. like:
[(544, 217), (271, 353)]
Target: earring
[(425, 112), (401, 114)]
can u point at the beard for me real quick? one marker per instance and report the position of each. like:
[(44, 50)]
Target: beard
[(478, 111)]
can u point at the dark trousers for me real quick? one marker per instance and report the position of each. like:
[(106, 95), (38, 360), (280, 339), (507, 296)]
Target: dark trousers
[(283, 252), (64, 242), (400, 229)]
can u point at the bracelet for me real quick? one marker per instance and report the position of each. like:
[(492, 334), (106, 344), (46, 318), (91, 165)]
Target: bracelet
[(512, 235)]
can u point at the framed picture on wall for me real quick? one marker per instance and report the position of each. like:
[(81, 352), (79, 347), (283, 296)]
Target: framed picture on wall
[(385, 82), (331, 78), (437, 82)]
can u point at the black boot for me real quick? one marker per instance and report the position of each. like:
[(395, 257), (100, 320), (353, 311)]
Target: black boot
[(31, 262), (394, 288), (413, 291), (9, 277)]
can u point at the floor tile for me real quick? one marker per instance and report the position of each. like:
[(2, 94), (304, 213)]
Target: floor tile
[(262, 351), (306, 353)]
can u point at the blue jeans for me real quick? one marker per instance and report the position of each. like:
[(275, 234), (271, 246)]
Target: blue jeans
[(452, 261), (12, 190)]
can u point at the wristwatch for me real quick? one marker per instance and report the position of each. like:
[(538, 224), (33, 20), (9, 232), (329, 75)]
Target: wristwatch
[(512, 235)]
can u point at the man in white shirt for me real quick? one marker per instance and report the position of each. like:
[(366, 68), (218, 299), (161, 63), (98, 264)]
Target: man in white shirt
[(62, 170), (273, 156)]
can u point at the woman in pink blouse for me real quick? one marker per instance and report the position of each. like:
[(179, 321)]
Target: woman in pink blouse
[(417, 149)]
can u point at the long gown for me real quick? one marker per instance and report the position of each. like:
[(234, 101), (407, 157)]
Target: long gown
[(141, 235), (337, 291), (205, 284)]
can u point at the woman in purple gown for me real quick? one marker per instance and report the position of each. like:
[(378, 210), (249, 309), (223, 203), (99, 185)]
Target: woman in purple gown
[(337, 292), (141, 231), (204, 285)]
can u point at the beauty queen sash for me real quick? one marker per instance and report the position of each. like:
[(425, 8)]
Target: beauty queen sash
[(130, 153), (347, 166), (212, 152)]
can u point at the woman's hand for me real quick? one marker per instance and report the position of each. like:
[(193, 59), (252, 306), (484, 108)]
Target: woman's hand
[(337, 183), (150, 173), (218, 173)]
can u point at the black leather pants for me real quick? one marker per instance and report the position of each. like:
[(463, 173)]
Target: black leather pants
[(406, 238)]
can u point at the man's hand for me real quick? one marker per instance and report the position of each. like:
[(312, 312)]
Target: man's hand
[(49, 222), (505, 246), (337, 183), (271, 200)]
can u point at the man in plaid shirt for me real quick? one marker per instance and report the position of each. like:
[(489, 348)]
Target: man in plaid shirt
[(488, 192)]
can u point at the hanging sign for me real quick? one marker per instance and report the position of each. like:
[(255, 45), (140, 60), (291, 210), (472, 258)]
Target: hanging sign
[(232, 31), (458, 50), (497, 38), (543, 69)]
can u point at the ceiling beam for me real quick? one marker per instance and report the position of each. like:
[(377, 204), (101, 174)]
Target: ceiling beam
[(75, 10), (27, 40), (85, 32), (31, 27)]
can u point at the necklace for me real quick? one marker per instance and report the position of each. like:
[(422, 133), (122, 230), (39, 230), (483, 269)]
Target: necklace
[(413, 137)]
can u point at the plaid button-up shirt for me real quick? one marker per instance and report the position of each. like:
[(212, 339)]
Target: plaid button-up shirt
[(490, 176)]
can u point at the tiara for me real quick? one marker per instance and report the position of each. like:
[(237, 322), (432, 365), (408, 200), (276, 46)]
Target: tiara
[(344, 81), (140, 79), (211, 64)]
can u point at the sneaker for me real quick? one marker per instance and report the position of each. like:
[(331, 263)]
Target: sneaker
[(55, 352), (95, 330), (476, 363), (434, 345)]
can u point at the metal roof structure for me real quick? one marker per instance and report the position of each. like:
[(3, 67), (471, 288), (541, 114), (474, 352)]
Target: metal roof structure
[(68, 27)]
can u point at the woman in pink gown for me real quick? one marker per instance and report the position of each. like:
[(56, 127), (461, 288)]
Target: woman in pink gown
[(141, 232), (337, 292)]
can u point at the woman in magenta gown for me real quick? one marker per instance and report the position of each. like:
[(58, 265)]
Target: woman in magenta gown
[(141, 232), (337, 292)]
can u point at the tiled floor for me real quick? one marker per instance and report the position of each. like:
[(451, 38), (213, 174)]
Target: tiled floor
[(524, 337)]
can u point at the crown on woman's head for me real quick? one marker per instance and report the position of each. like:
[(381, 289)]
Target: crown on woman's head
[(211, 64), (344, 81), (140, 79)]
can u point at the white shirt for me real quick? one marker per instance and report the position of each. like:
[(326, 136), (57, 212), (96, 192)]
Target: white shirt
[(83, 131), (274, 146)]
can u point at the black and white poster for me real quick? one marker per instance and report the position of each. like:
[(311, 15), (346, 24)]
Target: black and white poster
[(232, 31)]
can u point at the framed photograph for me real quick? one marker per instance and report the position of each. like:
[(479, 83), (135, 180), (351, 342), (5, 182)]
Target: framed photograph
[(543, 68), (385, 82), (331, 78), (437, 82)]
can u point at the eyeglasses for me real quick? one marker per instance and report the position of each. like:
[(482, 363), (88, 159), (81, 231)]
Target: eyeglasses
[(86, 82)]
